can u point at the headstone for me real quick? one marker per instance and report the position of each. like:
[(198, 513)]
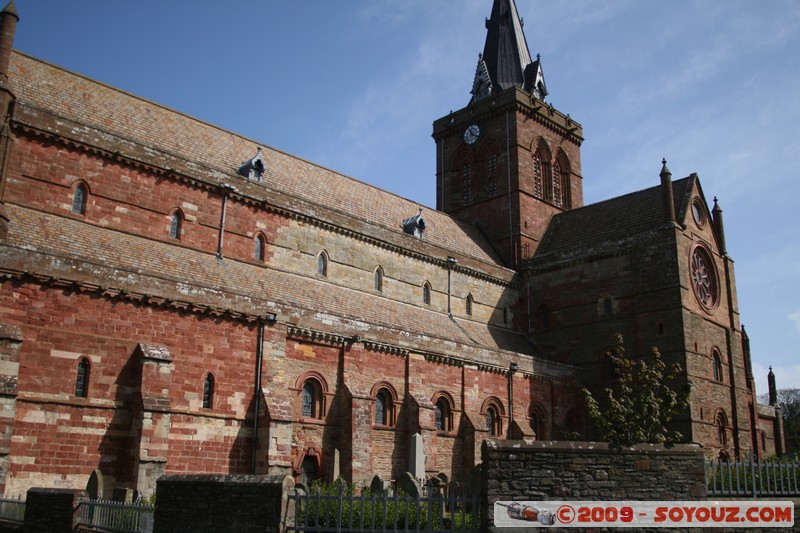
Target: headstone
[(378, 487), (409, 485), (336, 474), (417, 463)]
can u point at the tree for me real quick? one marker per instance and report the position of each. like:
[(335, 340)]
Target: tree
[(641, 402)]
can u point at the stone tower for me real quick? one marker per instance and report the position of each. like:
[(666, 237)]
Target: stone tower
[(508, 161)]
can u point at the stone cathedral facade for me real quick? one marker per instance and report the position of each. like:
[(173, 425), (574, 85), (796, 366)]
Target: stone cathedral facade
[(175, 298)]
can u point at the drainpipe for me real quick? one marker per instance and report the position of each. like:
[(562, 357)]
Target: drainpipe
[(451, 262), (225, 188), (511, 370), (257, 393)]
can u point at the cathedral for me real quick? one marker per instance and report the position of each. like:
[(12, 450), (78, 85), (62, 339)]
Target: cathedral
[(176, 298)]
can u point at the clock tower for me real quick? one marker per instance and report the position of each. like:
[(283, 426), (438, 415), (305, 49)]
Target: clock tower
[(508, 161)]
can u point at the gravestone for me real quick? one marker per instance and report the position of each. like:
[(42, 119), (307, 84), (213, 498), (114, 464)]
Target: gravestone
[(336, 472), (379, 486), (409, 485), (416, 465)]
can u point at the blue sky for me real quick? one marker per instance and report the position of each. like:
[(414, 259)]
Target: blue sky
[(355, 85)]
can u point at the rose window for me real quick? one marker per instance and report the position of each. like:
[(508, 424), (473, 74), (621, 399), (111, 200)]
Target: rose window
[(704, 277)]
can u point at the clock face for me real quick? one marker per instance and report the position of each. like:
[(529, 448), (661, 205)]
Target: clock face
[(471, 134)]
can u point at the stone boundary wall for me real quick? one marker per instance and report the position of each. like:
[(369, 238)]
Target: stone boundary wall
[(221, 503), (51, 510), (554, 470)]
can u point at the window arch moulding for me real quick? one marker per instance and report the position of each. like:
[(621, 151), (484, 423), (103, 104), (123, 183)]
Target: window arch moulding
[(385, 404), (312, 396), (80, 197)]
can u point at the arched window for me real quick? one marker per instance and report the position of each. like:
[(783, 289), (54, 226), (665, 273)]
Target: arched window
[(175, 223), (557, 198), (322, 264), (443, 414), (260, 246), (378, 279), (506, 315), (491, 175), (468, 305), (562, 194), (312, 395), (311, 399), (384, 408), (542, 180), (82, 378), (466, 179), (79, 199), (721, 423), (426, 293), (538, 180), (493, 422), (208, 392), (716, 361), (493, 412), (537, 421)]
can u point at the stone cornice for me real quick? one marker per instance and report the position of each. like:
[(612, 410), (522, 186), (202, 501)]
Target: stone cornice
[(381, 347), (315, 336), (141, 298)]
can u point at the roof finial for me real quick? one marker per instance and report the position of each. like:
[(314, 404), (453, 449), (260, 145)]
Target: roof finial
[(664, 168)]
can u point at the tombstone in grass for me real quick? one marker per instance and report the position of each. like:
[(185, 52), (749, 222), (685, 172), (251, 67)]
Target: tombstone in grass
[(336, 472), (417, 463), (409, 485), (340, 485), (435, 487), (379, 487)]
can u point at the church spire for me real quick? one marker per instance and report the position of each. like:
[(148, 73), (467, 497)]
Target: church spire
[(506, 60)]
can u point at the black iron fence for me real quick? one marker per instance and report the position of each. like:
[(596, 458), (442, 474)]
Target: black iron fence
[(12, 510), (753, 478), (116, 517), (338, 508)]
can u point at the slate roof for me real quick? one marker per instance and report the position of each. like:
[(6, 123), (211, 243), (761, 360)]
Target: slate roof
[(611, 222), (54, 246), (43, 86), (505, 52)]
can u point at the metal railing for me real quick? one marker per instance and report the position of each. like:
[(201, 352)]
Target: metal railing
[(338, 509), (117, 517), (12, 510), (753, 478)]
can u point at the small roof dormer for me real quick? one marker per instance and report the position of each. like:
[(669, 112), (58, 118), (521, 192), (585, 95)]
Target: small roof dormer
[(253, 169), (415, 225)]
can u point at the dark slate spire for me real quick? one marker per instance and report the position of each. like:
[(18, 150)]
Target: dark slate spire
[(773, 390), (716, 213), (506, 61)]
